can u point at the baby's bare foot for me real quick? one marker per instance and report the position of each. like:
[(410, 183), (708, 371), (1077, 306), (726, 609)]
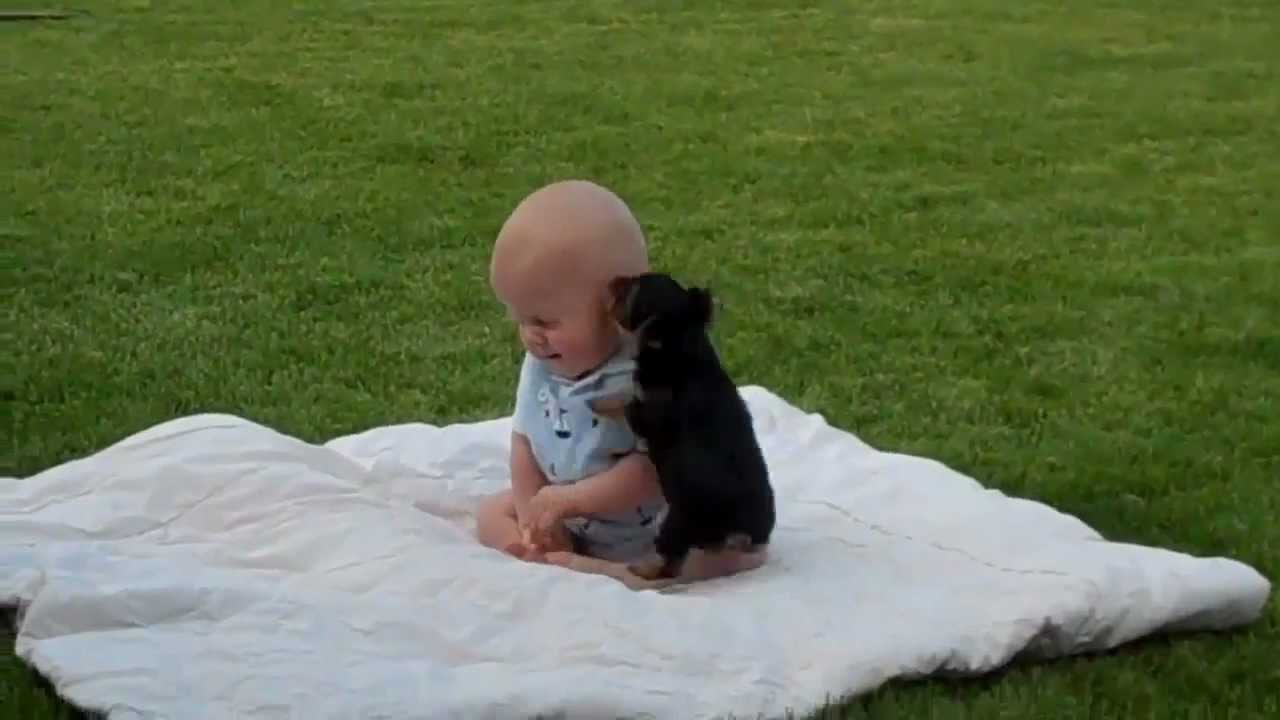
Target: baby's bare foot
[(524, 552), (562, 558)]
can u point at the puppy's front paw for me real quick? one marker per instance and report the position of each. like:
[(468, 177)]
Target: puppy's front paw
[(650, 568)]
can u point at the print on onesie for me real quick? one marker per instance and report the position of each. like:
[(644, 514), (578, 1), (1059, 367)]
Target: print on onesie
[(572, 441)]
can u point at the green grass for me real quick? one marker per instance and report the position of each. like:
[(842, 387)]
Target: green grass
[(1037, 241)]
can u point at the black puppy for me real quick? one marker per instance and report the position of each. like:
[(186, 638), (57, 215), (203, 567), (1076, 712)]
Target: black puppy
[(696, 425)]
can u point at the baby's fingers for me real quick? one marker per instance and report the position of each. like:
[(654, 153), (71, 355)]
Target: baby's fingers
[(546, 531)]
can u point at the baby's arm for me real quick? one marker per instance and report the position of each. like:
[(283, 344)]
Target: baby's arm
[(526, 478), (527, 483), (632, 481)]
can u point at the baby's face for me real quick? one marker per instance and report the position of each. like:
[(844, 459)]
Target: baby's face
[(563, 324)]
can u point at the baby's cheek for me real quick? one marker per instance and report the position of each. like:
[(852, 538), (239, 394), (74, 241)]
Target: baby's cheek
[(528, 336), (572, 345)]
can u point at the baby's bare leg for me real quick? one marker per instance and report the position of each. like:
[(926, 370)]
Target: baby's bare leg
[(708, 564), (616, 570), (496, 524), (652, 567), (698, 565)]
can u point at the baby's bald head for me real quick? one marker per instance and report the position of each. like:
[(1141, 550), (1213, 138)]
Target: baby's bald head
[(552, 264), (575, 231)]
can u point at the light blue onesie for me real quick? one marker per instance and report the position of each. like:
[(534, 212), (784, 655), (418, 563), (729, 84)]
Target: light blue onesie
[(571, 442)]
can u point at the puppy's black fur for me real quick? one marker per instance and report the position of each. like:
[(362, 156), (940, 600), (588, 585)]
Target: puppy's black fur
[(696, 425)]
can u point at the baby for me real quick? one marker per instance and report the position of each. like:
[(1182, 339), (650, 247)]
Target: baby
[(579, 483)]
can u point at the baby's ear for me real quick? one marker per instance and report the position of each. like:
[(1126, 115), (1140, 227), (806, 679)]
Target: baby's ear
[(622, 290), (701, 305)]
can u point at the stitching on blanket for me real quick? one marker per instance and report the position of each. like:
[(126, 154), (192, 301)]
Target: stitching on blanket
[(56, 499), (945, 548), (847, 543)]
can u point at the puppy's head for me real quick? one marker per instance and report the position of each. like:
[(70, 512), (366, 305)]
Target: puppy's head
[(658, 312)]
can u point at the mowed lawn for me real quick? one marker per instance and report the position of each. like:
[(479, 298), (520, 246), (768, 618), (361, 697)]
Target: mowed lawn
[(1037, 241)]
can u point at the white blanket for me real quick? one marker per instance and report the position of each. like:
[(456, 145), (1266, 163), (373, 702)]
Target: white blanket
[(210, 567)]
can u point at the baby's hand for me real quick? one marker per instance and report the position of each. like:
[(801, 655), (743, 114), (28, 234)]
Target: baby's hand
[(543, 517)]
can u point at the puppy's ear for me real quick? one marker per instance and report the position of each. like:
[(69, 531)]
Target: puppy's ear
[(700, 305)]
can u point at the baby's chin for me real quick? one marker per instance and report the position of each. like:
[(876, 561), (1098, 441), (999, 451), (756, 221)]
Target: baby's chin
[(557, 365)]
